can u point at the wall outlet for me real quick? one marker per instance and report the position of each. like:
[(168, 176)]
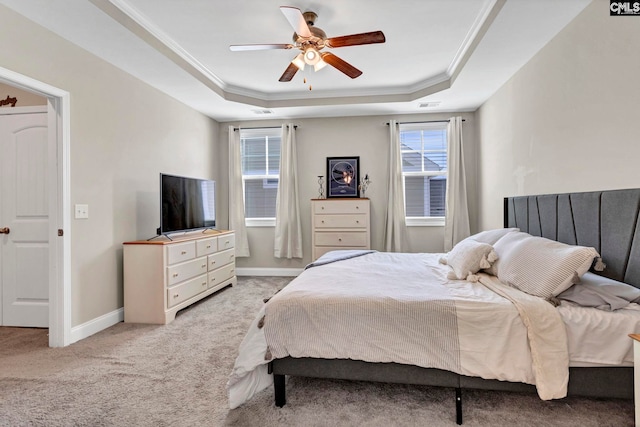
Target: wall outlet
[(82, 211)]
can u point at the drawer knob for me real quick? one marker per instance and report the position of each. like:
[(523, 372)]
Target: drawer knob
[(175, 274), (357, 221), (213, 279), (357, 207), (204, 283), (183, 253), (339, 240), (322, 208), (176, 295), (213, 263), (323, 221), (208, 246), (204, 266)]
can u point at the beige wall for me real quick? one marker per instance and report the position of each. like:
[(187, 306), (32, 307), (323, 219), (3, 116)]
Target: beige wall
[(23, 98), (568, 120), (368, 138), (123, 134)]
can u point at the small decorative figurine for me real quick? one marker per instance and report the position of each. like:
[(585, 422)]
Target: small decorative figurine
[(364, 183)]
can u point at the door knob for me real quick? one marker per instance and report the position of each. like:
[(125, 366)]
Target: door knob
[(4, 230)]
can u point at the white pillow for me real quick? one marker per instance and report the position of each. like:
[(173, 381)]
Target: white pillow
[(468, 257), (489, 237), (492, 236), (539, 266)]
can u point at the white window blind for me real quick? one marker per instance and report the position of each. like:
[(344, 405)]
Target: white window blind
[(424, 168), (260, 171)]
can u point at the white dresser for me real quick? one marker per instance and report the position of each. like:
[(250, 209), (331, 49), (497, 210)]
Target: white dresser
[(164, 276), (339, 224)]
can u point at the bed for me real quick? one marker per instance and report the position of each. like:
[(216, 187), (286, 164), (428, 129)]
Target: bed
[(604, 221)]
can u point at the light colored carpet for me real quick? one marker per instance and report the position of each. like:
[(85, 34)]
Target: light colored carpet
[(175, 375)]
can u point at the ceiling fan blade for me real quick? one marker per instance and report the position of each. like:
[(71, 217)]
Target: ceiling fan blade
[(289, 73), (341, 65), (295, 18), (242, 47), (356, 39)]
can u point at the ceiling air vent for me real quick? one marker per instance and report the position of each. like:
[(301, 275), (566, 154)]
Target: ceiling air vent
[(429, 104), (262, 112)]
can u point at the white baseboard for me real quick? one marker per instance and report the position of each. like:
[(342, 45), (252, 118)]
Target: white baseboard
[(288, 272), (103, 322), (96, 325)]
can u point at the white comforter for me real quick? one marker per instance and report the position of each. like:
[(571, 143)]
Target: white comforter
[(499, 332)]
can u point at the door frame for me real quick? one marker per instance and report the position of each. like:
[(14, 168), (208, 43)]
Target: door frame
[(59, 139)]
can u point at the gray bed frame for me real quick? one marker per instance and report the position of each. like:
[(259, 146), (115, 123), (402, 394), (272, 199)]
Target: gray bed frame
[(605, 220)]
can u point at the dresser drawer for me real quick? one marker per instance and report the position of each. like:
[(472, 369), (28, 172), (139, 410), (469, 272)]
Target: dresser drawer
[(179, 252), (206, 246), (220, 275), (219, 259), (186, 290), (180, 272), (341, 221), (358, 239), (341, 207), (227, 241)]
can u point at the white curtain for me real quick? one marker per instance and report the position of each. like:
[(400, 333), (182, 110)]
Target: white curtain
[(288, 238), (395, 223), (456, 222), (236, 196)]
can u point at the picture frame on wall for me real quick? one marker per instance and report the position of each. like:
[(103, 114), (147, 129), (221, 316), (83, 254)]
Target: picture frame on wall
[(343, 176)]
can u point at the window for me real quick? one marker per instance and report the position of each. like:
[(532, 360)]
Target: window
[(260, 150), (424, 169)]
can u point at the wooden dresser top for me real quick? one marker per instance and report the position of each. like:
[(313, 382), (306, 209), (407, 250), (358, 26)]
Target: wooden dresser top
[(164, 240)]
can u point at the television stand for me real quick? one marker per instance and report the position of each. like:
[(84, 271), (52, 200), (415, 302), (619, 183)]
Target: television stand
[(163, 276)]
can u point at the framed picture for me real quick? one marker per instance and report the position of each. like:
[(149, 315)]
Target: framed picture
[(343, 176)]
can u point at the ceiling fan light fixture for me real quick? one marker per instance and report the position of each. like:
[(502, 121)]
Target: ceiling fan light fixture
[(299, 61), (311, 56), (319, 65)]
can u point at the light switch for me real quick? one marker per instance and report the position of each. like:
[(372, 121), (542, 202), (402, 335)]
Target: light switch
[(82, 211)]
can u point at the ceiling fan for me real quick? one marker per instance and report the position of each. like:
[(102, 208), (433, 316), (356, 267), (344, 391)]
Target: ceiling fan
[(311, 40)]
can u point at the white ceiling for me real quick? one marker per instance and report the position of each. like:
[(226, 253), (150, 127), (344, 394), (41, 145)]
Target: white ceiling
[(455, 53)]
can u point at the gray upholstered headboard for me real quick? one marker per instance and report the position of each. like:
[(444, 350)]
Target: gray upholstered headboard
[(605, 220)]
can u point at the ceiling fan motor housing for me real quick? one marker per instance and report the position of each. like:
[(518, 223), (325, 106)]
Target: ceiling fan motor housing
[(318, 36)]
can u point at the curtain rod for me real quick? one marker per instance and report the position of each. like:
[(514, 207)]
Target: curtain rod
[(426, 121), (265, 127)]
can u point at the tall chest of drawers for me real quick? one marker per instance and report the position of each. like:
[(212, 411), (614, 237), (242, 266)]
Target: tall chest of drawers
[(339, 224), (164, 276)]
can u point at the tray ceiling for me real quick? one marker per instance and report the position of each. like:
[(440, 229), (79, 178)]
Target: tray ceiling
[(439, 55)]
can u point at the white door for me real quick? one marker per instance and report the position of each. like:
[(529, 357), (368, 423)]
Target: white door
[(24, 220)]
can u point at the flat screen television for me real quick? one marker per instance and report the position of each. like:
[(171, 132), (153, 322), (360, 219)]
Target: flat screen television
[(186, 204)]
